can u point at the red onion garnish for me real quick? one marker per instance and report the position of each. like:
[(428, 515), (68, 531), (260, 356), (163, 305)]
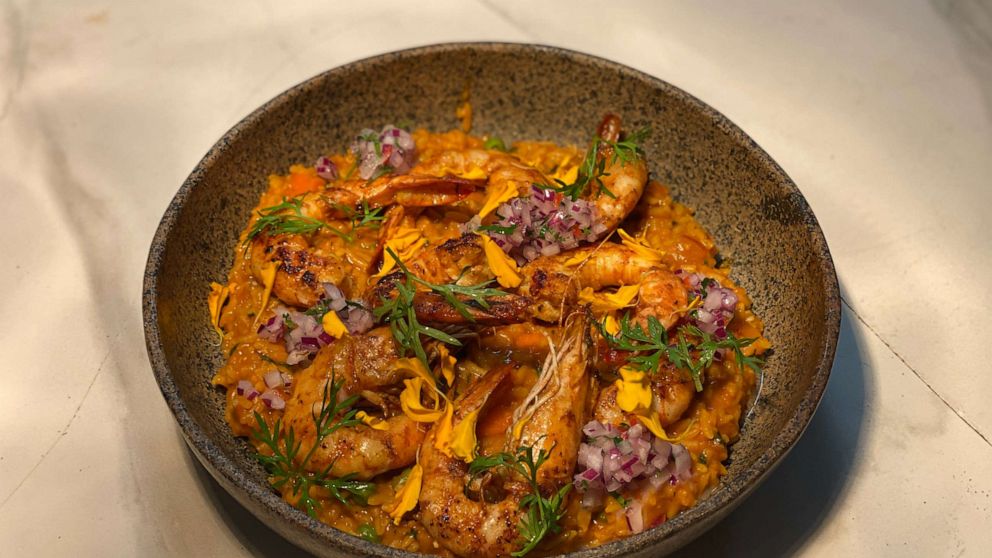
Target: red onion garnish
[(391, 150), (612, 459), (247, 389), (717, 309), (273, 379), (326, 169), (544, 224), (635, 518), (273, 400)]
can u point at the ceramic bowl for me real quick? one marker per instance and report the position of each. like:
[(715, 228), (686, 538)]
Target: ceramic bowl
[(754, 211)]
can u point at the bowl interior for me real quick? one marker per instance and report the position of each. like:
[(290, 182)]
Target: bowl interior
[(757, 216)]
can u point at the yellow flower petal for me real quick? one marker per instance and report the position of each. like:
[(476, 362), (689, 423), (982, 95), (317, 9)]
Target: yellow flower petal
[(499, 194), (607, 302), (650, 421), (268, 273), (442, 439), (463, 440), (633, 390), (415, 368), (503, 267), (634, 395), (375, 422), (576, 259), (215, 302), (474, 173), (332, 325), (611, 325), (412, 407), (639, 246), (405, 243), (566, 172), (406, 498), (447, 361)]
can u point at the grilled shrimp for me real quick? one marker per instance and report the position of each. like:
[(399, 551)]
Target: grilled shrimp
[(410, 190), (302, 269), (551, 416), (362, 364), (461, 261), (624, 179), (553, 282)]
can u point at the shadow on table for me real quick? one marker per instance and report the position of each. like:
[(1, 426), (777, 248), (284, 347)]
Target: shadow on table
[(257, 537), (776, 520), (785, 511)]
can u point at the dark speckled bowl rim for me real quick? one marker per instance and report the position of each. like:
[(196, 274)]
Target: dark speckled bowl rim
[(732, 491)]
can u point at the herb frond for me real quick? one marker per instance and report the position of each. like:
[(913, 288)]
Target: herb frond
[(499, 229), (285, 468), (593, 167), (288, 218), (543, 515), (401, 315), (496, 143), (694, 350), (362, 216)]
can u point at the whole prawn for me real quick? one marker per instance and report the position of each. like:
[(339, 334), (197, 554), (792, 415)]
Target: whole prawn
[(361, 363), (549, 420)]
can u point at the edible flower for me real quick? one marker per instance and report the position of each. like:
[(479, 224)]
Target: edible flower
[(505, 268), (634, 395), (640, 246), (611, 325), (406, 498), (607, 302), (410, 399), (333, 325), (369, 420), (497, 195), (463, 440), (447, 363), (215, 302), (268, 274), (413, 408), (405, 244), (567, 172), (442, 440)]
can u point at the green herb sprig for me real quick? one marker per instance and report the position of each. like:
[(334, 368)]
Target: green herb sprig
[(499, 229), (363, 216), (496, 143), (399, 311), (285, 469), (288, 218), (543, 515), (694, 350), (593, 167)]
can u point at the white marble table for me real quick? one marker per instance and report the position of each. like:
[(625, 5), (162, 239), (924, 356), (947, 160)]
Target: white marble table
[(880, 111)]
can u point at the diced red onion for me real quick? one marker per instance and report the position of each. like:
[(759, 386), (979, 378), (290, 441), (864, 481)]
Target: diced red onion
[(545, 223), (635, 517), (609, 460), (326, 169), (273, 329), (273, 379), (718, 305), (273, 401), (683, 462), (247, 389), (392, 147)]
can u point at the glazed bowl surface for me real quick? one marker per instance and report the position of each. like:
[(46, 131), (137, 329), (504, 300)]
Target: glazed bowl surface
[(757, 216)]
